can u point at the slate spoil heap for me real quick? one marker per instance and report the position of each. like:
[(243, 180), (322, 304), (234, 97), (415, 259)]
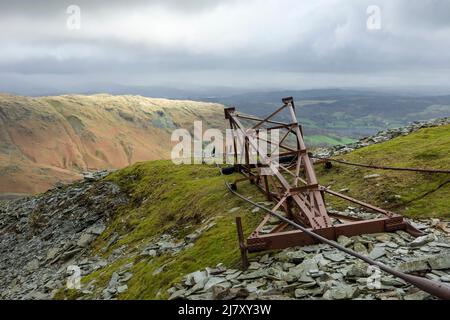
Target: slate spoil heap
[(322, 272), (41, 236)]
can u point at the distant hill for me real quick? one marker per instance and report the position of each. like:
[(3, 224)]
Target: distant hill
[(338, 116), (49, 139)]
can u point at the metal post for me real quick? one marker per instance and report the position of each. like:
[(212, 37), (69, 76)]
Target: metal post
[(242, 245)]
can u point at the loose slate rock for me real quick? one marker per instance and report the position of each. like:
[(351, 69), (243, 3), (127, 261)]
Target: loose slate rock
[(335, 257), (414, 265), (341, 292), (439, 262), (377, 252), (213, 281), (420, 241), (344, 241)]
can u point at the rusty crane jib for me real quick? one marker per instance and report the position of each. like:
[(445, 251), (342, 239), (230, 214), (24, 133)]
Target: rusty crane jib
[(303, 205), (302, 199)]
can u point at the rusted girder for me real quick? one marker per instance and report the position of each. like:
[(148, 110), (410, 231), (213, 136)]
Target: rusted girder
[(293, 185), (437, 289)]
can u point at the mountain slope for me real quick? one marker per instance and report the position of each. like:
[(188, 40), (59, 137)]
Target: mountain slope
[(165, 221), (49, 139), (180, 203)]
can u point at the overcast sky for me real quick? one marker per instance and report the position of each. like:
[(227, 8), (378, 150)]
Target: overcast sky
[(235, 43)]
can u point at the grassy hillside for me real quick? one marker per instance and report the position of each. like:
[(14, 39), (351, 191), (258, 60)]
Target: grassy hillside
[(48, 139), (410, 193), (177, 200)]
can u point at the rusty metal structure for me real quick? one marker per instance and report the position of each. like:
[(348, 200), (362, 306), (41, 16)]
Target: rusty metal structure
[(293, 187), (299, 200)]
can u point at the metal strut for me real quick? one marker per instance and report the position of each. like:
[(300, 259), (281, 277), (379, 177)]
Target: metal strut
[(436, 289), (293, 186), (304, 220)]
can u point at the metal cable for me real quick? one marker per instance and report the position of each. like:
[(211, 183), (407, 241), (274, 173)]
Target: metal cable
[(382, 167), (439, 290)]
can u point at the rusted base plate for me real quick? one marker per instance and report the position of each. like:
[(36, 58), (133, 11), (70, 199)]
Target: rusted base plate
[(286, 239)]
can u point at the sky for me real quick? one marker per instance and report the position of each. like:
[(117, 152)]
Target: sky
[(285, 44)]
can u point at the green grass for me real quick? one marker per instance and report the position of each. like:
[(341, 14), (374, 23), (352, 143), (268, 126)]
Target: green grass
[(410, 193), (318, 140)]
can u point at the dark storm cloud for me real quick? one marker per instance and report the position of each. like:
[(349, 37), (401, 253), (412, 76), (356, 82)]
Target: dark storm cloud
[(211, 42)]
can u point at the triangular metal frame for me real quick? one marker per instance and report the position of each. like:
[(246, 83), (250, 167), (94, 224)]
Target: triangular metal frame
[(299, 196)]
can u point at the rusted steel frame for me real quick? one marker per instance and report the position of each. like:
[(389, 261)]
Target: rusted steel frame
[(306, 210), (313, 221), (293, 238), (361, 203), (322, 219), (289, 153), (304, 188), (297, 172), (247, 154), (259, 185), (276, 188), (286, 135), (308, 199), (267, 217), (261, 224), (317, 216), (266, 188), (439, 290), (281, 127), (227, 112), (384, 167), (279, 228), (256, 126), (265, 159), (309, 171), (278, 145), (242, 245), (410, 229), (258, 119), (233, 127), (286, 170)]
